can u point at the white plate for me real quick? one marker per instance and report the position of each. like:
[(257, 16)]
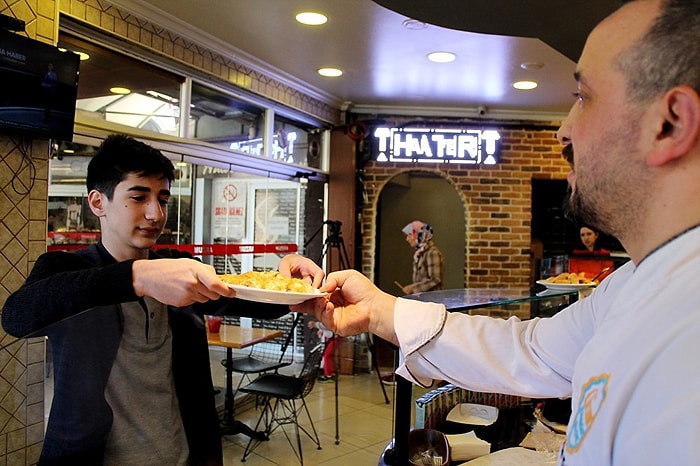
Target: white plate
[(272, 296), (473, 414), (565, 286)]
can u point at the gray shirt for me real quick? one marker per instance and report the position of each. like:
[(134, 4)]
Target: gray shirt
[(147, 428)]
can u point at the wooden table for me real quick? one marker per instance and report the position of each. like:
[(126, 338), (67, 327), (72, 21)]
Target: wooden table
[(233, 336), (230, 337)]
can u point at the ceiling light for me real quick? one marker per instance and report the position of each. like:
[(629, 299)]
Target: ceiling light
[(441, 57), (330, 72), (120, 90), (524, 85), (414, 24), (311, 18)]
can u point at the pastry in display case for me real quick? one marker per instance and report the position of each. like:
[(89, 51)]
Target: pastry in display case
[(70, 223)]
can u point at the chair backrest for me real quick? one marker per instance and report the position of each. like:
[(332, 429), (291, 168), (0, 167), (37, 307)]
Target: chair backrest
[(278, 349), (432, 408), (312, 368)]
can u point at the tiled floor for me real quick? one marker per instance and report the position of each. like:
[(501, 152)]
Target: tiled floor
[(365, 425)]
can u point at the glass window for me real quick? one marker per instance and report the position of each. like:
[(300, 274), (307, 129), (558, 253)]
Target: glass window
[(150, 100), (252, 220), (70, 221), (150, 96), (255, 214), (178, 228), (72, 224), (233, 220), (225, 121), (293, 142)]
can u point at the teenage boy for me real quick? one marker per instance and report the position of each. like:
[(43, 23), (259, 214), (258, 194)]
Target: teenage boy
[(132, 379)]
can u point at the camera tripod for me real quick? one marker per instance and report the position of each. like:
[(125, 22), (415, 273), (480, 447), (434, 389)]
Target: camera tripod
[(334, 242)]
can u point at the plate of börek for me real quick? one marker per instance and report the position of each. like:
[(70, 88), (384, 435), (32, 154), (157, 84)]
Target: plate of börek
[(271, 287), (567, 282)]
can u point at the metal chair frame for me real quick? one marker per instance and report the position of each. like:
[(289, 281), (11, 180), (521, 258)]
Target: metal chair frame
[(284, 402), (264, 357)]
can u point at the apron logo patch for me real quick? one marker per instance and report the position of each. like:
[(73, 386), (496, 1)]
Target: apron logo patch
[(593, 395)]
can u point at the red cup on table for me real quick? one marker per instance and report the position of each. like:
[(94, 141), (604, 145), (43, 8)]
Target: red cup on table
[(214, 324)]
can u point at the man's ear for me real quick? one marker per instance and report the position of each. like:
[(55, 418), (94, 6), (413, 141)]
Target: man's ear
[(678, 127), (96, 202)]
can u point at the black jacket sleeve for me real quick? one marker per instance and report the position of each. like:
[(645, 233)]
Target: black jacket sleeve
[(243, 308), (230, 307), (61, 285)]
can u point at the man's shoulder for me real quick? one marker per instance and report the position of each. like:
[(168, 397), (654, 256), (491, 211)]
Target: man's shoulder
[(70, 259)]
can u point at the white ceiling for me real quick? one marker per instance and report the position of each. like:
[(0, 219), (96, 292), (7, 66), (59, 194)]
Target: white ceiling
[(384, 63)]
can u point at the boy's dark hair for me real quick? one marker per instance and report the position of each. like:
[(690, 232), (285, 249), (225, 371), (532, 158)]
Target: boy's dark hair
[(119, 155)]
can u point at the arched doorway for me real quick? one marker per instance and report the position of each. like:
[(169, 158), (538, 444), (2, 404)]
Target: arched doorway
[(425, 196)]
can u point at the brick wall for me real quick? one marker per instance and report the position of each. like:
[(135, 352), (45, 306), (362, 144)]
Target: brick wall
[(497, 205)]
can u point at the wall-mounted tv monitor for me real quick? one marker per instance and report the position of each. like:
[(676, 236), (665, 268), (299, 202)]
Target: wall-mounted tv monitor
[(38, 88)]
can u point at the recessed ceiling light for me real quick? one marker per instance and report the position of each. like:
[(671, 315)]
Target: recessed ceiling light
[(414, 24), (330, 72), (441, 57), (120, 90), (311, 18), (524, 85)]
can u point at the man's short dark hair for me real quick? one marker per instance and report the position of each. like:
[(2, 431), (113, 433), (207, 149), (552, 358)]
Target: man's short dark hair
[(118, 156), (667, 55)]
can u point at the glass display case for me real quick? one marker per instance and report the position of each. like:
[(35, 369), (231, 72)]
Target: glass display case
[(459, 300)]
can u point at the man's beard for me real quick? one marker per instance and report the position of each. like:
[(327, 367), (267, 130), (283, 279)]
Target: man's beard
[(574, 207), (611, 180), (576, 210), (580, 209)]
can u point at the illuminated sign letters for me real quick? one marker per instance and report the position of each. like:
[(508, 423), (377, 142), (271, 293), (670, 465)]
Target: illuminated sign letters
[(469, 146), (282, 146)]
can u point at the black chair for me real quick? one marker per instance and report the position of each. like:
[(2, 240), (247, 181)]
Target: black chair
[(283, 400), (265, 357)]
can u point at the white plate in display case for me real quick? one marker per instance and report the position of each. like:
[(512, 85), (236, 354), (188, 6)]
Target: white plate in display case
[(565, 286)]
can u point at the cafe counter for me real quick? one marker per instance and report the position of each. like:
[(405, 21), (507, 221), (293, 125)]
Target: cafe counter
[(460, 300)]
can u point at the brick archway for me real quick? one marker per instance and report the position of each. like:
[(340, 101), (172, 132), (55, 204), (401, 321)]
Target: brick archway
[(419, 194), (498, 205)]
